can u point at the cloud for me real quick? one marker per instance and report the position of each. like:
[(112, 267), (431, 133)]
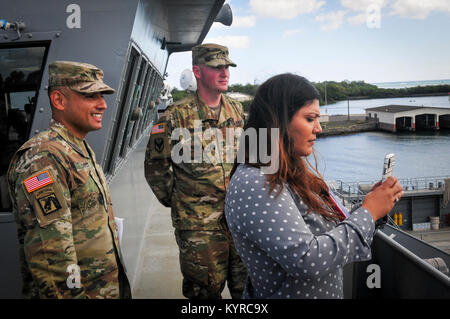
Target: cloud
[(362, 5), (332, 20), (417, 9), (238, 22), (231, 41), (244, 21), (358, 19), (285, 9), (414, 9), (290, 33)]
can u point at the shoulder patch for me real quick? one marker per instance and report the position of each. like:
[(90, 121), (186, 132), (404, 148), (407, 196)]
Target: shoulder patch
[(49, 202), (37, 181), (159, 128)]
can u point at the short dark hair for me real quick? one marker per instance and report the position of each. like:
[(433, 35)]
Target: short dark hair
[(51, 89)]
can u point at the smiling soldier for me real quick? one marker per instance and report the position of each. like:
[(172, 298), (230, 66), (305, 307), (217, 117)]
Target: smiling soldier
[(68, 242)]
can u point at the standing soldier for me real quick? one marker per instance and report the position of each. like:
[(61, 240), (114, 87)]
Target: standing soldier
[(61, 201), (195, 187)]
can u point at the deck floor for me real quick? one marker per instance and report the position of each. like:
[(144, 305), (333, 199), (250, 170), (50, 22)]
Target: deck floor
[(438, 238), (158, 273)]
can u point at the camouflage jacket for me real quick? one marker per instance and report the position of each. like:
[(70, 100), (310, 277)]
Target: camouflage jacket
[(189, 169), (63, 211)]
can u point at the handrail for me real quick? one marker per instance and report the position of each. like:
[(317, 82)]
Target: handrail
[(408, 184), (415, 259), (352, 197)]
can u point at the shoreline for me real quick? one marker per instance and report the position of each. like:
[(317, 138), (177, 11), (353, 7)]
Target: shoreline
[(340, 125), (358, 98)]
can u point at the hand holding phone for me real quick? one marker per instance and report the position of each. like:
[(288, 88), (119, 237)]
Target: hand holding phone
[(388, 170), (388, 166)]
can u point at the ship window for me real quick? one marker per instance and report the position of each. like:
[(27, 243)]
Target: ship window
[(147, 103), (144, 99), (156, 87), (131, 123), (20, 79), (124, 102), (140, 105), (140, 85)]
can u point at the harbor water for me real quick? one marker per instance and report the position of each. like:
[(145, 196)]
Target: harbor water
[(359, 157)]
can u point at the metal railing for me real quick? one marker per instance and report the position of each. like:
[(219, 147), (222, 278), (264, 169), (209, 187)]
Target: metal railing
[(349, 193), (423, 183), (408, 184), (352, 194)]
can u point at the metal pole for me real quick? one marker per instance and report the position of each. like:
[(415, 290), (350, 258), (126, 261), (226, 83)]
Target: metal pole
[(348, 109)]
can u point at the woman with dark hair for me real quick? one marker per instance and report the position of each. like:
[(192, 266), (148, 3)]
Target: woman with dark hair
[(285, 225)]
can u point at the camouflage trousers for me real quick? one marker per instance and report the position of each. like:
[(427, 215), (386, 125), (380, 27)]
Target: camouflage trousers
[(208, 259)]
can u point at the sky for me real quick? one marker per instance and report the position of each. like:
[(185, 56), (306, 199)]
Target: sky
[(332, 40)]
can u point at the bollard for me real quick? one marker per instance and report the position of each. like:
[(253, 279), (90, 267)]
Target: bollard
[(434, 221)]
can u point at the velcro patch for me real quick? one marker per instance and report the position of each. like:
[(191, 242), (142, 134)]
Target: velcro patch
[(38, 181), (49, 202), (159, 145), (159, 128)]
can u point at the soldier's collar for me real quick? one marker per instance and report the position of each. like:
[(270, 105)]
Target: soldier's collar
[(74, 141), (225, 111)]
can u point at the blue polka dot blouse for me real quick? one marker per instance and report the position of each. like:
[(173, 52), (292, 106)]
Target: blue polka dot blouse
[(289, 253)]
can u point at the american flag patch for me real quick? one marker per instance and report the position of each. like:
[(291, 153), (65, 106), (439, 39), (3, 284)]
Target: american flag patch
[(38, 181), (159, 128)]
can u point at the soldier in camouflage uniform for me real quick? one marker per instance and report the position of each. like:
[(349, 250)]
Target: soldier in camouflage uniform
[(61, 201), (195, 187)]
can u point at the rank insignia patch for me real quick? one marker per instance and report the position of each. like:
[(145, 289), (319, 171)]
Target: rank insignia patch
[(49, 203), (37, 181), (159, 128)]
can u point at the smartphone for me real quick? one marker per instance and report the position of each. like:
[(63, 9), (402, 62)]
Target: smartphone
[(388, 166), (388, 170)]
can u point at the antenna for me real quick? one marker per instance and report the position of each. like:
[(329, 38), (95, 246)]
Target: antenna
[(187, 81)]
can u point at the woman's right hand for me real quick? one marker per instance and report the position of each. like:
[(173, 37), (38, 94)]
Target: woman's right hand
[(380, 201)]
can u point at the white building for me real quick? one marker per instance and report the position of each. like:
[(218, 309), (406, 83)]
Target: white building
[(406, 117)]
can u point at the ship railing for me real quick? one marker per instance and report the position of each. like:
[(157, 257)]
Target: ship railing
[(408, 267), (352, 195), (423, 183), (409, 184)]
